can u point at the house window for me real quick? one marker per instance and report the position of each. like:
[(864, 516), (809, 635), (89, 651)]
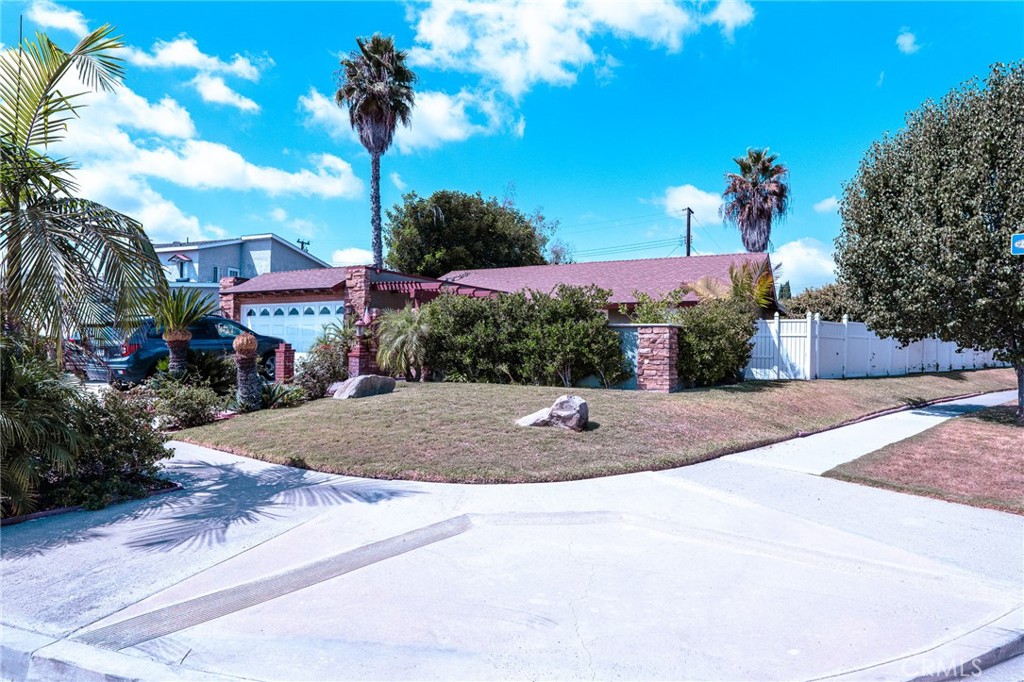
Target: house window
[(233, 272), (250, 313), (325, 311), (265, 313), (340, 310), (293, 311), (279, 311), (309, 311), (181, 270), (216, 273)]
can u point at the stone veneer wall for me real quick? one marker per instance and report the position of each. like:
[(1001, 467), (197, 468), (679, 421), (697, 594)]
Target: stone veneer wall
[(357, 286), (657, 355)]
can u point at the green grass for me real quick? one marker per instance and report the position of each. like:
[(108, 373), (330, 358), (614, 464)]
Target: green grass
[(466, 432), (976, 459)]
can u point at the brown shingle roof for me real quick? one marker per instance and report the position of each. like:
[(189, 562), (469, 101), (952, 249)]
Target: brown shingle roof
[(653, 276), (293, 280)]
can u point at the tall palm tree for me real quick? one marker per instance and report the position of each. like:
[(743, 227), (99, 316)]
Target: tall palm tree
[(376, 86), (755, 196), (174, 310), (67, 261)]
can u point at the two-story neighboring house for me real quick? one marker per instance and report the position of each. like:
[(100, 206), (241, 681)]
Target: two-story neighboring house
[(202, 264)]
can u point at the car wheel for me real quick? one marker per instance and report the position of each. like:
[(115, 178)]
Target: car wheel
[(268, 368)]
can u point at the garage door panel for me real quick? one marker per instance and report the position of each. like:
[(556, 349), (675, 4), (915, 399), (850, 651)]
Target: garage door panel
[(297, 323)]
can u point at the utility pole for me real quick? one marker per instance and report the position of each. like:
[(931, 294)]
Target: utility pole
[(689, 212), (303, 243)]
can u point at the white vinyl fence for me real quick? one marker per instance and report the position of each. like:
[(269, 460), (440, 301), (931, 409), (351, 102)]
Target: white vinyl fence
[(810, 348)]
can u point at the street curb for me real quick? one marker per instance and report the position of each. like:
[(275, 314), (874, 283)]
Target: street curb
[(893, 410), (1000, 640)]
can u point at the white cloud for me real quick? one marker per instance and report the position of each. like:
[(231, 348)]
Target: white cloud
[(184, 52), (301, 226), (351, 257), (730, 15), (604, 68), (705, 205), (213, 89), (827, 205), (210, 165), (907, 42), (437, 119), (519, 44), (805, 263), (881, 79), (46, 14), (397, 181)]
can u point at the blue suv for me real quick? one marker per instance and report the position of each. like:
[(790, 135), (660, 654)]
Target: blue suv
[(135, 358)]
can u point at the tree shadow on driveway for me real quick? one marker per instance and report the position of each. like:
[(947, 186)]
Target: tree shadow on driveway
[(216, 499)]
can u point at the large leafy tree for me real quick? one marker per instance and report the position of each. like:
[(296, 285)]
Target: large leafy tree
[(927, 221), (456, 231), (67, 261), (756, 196), (376, 87)]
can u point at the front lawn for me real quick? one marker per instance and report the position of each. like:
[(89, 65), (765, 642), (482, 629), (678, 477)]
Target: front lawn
[(465, 432), (975, 459)]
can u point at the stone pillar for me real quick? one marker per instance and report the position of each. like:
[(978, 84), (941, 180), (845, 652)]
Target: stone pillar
[(362, 358), (284, 369), (230, 307), (657, 355), (357, 288)]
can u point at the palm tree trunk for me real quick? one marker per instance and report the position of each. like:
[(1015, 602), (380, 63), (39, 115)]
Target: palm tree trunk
[(378, 256), (178, 361)]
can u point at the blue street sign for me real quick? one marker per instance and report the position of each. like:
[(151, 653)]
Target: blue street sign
[(1017, 244)]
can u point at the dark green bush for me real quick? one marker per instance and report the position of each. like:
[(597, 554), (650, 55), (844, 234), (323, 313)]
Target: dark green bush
[(715, 342), (181, 405), (120, 460), (326, 363), (276, 396), (216, 370), (551, 340)]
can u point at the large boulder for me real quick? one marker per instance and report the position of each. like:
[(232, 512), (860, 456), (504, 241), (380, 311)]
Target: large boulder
[(363, 386), (568, 412)]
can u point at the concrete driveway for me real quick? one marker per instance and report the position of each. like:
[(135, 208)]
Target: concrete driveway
[(749, 567)]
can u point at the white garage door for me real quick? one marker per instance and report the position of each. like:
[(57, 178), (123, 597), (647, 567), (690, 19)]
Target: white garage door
[(297, 323)]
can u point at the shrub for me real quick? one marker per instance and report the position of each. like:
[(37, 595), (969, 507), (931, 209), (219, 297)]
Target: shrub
[(552, 340), (120, 461), (831, 300), (181, 405), (275, 396), (715, 342), (41, 422), (216, 370), (326, 363)]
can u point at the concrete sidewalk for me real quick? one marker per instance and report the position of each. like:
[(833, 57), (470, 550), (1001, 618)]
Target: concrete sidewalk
[(748, 567)]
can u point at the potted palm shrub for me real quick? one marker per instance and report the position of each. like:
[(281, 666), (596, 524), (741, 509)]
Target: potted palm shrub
[(174, 310)]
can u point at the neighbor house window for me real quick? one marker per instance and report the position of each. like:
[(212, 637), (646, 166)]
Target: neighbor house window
[(216, 273), (233, 272)]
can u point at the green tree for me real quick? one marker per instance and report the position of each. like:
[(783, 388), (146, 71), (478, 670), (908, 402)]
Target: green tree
[(67, 261), (457, 231), (831, 300), (174, 310), (927, 221), (755, 196), (401, 341), (376, 86), (785, 291)]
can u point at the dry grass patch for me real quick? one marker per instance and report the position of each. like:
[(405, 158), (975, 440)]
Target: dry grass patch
[(975, 459), (466, 432)]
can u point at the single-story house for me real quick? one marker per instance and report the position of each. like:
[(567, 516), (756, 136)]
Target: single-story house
[(655, 277), (296, 305)]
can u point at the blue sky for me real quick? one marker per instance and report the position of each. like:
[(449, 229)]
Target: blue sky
[(610, 116)]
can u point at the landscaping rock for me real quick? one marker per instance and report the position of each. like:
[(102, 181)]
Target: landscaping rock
[(364, 386), (568, 412), (333, 388)]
